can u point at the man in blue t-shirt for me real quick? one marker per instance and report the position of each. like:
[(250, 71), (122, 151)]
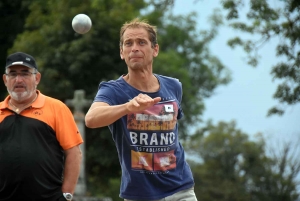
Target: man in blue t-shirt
[(141, 110)]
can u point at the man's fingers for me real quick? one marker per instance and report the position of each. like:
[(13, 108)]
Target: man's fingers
[(142, 102), (157, 99)]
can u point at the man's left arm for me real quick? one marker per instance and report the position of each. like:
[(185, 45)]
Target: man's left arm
[(72, 169)]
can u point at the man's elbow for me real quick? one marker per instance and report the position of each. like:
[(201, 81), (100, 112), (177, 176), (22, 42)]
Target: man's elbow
[(89, 121)]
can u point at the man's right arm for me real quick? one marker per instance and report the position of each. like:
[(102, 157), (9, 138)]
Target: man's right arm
[(102, 114)]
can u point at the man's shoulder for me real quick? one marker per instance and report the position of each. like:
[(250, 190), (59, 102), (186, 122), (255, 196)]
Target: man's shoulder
[(165, 78), (53, 101), (112, 83)]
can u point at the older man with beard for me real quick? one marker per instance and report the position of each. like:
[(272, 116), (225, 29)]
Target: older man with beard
[(39, 140)]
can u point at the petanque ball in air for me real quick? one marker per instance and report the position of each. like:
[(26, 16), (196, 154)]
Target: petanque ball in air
[(81, 23)]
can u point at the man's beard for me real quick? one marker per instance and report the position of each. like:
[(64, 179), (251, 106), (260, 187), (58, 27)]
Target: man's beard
[(20, 96)]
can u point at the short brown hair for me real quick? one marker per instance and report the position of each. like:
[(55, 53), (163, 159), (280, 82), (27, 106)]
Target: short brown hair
[(137, 23)]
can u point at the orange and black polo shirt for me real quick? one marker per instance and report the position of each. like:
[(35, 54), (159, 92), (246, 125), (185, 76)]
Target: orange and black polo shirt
[(32, 146)]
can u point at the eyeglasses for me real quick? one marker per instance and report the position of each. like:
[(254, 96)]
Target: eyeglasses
[(21, 74)]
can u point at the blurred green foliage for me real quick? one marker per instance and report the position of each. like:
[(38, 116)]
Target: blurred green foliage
[(231, 167)]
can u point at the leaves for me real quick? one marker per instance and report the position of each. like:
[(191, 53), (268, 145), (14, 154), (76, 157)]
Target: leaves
[(269, 22), (233, 167)]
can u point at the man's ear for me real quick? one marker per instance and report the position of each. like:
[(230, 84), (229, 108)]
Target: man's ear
[(156, 50), (38, 77), (121, 53), (4, 79)]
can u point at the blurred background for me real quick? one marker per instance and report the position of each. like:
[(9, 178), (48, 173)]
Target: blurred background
[(238, 61)]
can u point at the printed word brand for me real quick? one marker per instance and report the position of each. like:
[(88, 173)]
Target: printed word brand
[(146, 139)]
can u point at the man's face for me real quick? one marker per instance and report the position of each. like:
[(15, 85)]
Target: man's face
[(137, 50), (20, 82)]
